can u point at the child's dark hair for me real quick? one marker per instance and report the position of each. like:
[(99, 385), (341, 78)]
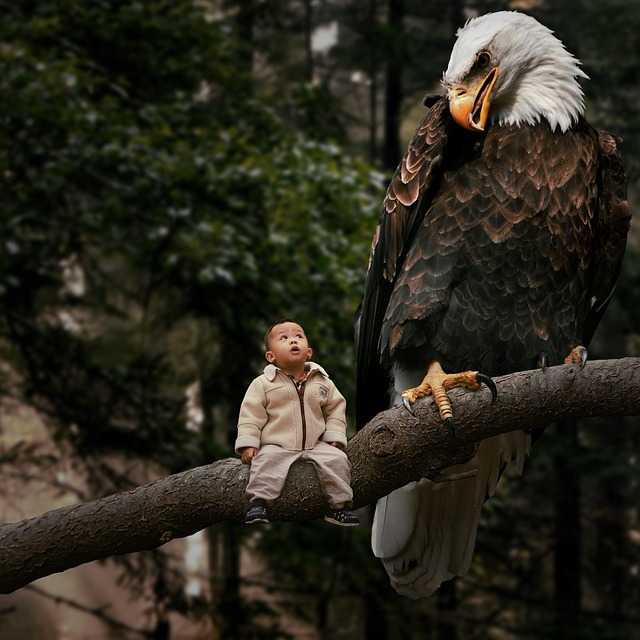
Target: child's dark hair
[(275, 324)]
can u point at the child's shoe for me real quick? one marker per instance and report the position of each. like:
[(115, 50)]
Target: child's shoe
[(256, 511), (342, 517)]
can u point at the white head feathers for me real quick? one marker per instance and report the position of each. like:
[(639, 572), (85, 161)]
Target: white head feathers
[(538, 77)]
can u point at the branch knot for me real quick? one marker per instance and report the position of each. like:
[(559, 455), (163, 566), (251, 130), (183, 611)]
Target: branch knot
[(382, 442)]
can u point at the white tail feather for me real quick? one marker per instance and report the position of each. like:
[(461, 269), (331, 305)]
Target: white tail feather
[(425, 532), (393, 521)]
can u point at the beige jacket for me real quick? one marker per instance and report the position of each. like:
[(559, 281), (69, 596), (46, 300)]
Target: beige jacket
[(272, 412)]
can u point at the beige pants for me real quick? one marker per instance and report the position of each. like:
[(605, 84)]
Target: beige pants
[(269, 470)]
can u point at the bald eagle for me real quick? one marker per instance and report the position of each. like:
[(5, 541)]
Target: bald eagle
[(498, 247)]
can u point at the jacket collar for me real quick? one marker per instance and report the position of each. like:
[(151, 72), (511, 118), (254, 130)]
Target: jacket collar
[(271, 370)]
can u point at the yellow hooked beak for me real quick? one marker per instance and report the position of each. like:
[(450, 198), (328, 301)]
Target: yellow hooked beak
[(469, 105)]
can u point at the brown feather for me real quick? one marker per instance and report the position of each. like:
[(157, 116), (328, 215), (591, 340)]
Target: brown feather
[(491, 248)]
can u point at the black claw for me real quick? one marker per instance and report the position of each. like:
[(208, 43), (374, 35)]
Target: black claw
[(583, 358), (451, 424), (481, 377), (407, 405), (544, 360)]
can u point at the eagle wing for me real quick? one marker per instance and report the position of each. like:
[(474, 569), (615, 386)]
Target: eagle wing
[(614, 218), (408, 196)]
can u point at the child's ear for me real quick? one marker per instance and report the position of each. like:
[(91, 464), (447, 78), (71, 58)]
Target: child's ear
[(309, 353), (269, 356)]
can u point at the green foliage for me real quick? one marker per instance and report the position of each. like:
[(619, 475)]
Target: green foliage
[(131, 144)]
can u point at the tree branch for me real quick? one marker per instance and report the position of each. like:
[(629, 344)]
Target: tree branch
[(392, 450)]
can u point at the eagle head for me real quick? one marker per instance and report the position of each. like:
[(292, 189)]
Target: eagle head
[(507, 68)]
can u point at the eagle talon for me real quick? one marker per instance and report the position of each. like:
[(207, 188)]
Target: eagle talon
[(583, 358), (451, 424), (543, 360), (407, 405), (482, 378), (578, 355)]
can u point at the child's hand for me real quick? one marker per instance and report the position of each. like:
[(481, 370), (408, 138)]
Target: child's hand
[(337, 445), (248, 454)]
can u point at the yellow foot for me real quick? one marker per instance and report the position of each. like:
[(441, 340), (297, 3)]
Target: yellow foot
[(436, 383), (578, 355)]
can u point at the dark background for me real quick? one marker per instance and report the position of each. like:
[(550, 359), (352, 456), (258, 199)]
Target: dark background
[(177, 175)]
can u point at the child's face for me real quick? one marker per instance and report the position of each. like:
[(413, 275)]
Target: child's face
[(288, 346)]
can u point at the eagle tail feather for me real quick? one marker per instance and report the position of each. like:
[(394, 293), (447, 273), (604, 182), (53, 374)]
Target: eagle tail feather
[(425, 532)]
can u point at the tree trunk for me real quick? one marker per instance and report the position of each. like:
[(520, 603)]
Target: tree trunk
[(447, 604), (308, 32), (245, 24), (393, 87), (373, 90), (567, 560), (375, 622), (230, 603), (613, 518)]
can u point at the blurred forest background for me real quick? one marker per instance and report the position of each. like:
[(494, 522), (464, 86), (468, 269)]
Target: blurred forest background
[(176, 174)]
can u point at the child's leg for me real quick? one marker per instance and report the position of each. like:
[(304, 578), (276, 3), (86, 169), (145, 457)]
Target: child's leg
[(334, 472), (269, 471)]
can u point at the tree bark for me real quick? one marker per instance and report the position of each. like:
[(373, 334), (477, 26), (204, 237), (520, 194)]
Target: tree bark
[(393, 449)]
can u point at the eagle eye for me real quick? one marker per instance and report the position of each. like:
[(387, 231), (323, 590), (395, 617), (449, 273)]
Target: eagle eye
[(483, 59)]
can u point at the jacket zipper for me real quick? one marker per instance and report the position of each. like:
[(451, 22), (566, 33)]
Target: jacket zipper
[(301, 399), (304, 420)]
